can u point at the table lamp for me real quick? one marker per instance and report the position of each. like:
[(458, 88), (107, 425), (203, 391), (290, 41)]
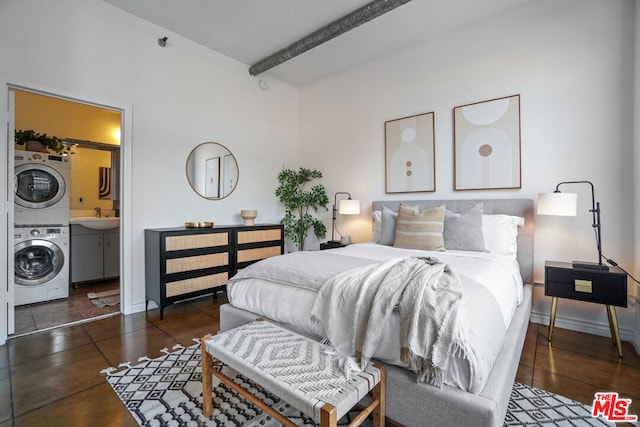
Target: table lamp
[(565, 204), (343, 207)]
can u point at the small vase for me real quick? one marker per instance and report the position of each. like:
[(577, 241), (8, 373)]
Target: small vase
[(248, 216)]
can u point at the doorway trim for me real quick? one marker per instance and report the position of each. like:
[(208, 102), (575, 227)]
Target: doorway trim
[(6, 193)]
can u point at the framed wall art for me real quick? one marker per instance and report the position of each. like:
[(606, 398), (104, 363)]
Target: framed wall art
[(409, 145), (487, 145), (104, 183)]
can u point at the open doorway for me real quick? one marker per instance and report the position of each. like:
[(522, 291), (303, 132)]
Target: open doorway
[(89, 265)]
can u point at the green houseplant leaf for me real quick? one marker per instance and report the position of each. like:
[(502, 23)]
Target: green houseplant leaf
[(53, 143), (299, 201)]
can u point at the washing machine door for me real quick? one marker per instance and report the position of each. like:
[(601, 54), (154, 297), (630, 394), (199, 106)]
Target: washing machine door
[(38, 186), (37, 262)]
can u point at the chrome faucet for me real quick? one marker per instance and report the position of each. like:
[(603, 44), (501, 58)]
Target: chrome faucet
[(98, 211)]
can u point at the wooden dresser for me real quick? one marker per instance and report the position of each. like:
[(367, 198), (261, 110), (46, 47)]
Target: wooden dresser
[(182, 263)]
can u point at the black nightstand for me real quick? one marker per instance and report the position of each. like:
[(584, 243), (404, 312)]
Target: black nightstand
[(331, 245), (562, 280)]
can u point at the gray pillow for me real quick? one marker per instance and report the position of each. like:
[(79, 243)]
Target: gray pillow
[(463, 231), (388, 231), (377, 226)]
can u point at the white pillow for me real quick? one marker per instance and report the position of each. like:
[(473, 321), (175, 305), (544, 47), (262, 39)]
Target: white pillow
[(500, 233)]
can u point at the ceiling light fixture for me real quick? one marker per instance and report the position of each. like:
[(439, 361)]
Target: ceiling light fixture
[(346, 23)]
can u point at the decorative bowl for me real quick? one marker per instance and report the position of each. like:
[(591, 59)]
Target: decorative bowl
[(198, 224)]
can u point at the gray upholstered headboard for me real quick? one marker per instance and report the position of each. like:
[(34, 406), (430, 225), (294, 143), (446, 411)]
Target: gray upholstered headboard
[(518, 207)]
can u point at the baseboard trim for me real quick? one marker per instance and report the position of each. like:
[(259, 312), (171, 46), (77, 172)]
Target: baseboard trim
[(636, 342), (588, 327), (141, 306)]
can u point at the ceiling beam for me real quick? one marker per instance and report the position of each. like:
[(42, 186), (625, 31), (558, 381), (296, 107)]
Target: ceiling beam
[(346, 23)]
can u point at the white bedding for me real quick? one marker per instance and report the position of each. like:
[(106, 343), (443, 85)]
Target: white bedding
[(287, 297)]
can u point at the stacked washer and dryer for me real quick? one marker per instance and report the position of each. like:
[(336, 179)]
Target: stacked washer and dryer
[(41, 232)]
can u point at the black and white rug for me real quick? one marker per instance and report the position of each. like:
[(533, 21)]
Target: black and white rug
[(530, 406), (168, 391)]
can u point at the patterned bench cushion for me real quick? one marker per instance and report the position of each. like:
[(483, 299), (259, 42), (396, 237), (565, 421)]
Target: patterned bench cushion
[(303, 372)]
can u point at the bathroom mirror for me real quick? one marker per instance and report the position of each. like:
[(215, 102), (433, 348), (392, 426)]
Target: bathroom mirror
[(212, 170)]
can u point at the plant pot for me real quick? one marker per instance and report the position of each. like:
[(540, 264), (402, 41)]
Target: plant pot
[(36, 146)]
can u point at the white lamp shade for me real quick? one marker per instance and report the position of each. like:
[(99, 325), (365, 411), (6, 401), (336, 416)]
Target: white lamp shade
[(349, 207), (560, 204)]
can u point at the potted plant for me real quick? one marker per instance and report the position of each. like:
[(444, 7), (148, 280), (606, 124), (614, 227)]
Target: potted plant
[(53, 143), (298, 201)]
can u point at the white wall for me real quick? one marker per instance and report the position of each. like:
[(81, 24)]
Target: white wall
[(568, 59), (180, 96), (636, 179), (570, 62)]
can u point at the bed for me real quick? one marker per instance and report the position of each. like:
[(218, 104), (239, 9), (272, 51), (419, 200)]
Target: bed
[(462, 399)]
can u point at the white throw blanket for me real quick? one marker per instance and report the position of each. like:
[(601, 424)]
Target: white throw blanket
[(354, 308)]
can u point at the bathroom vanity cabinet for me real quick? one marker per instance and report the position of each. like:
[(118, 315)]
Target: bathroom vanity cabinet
[(181, 263), (95, 254)]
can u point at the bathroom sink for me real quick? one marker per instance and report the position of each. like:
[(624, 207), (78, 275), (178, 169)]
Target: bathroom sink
[(94, 223)]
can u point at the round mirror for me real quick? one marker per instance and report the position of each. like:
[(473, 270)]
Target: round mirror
[(212, 170)]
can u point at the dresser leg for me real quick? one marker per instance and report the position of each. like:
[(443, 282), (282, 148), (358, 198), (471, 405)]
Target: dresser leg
[(552, 319), (613, 324)]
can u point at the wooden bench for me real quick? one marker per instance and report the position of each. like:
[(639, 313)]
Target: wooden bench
[(302, 372)]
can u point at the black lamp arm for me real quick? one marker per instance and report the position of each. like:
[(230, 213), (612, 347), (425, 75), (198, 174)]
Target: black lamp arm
[(335, 212), (595, 211)]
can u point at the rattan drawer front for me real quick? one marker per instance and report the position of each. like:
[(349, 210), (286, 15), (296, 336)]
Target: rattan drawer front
[(196, 241), (177, 265), (258, 236), (181, 287), (181, 263), (245, 255)]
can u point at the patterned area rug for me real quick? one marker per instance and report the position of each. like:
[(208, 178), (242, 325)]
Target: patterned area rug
[(168, 391), (530, 406)]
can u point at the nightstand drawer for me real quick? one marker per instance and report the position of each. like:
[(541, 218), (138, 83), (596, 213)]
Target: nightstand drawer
[(602, 287), (598, 294)]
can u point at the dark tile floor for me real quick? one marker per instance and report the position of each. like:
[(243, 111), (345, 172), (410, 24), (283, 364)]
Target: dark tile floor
[(52, 378), (35, 317)]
